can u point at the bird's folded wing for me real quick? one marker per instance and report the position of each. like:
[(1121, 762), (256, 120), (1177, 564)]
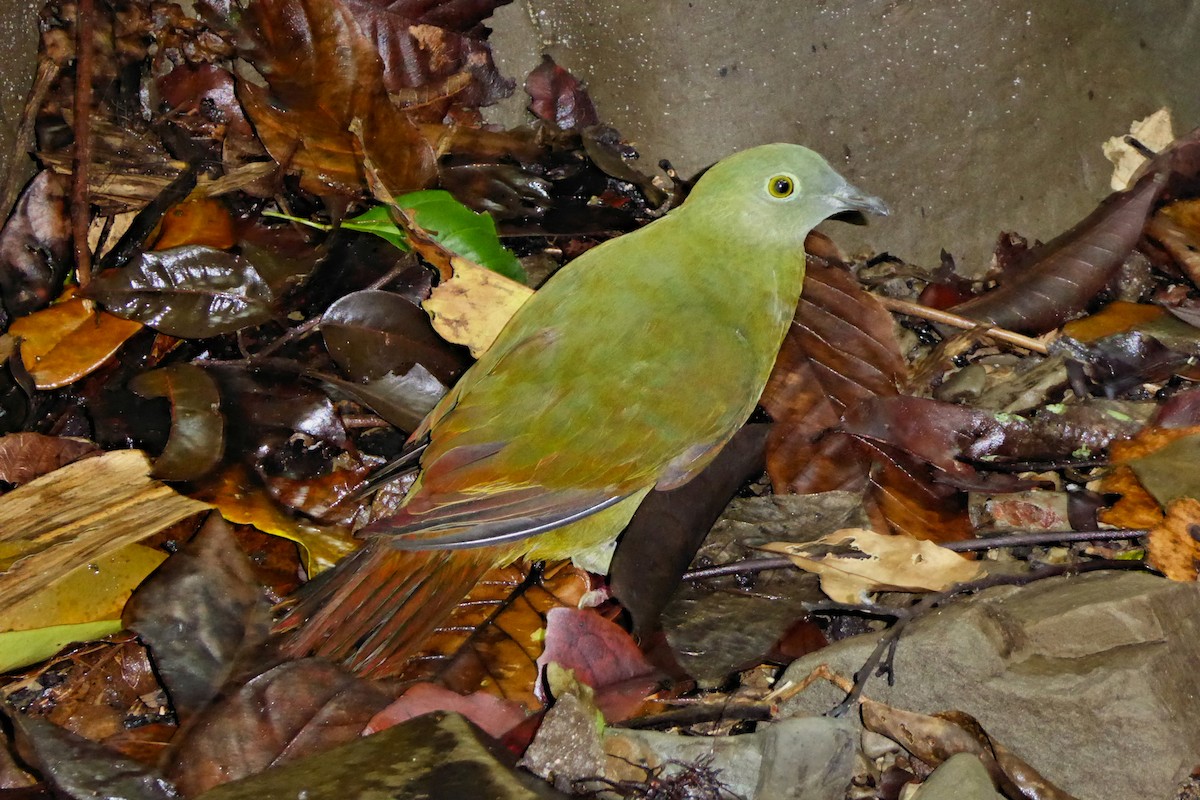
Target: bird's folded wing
[(487, 518)]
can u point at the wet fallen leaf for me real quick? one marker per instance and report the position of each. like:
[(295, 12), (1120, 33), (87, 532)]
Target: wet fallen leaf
[(310, 706), (1060, 278), (1116, 317), (202, 614), (197, 220), (493, 715), (854, 562), (603, 656), (494, 637), (234, 493), (69, 340), (193, 291)]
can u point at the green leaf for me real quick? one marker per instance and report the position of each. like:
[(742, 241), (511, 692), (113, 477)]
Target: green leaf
[(453, 225), (378, 221), (462, 231)]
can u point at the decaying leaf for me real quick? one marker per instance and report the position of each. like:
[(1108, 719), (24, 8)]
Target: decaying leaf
[(1064, 275), (474, 305), (854, 562), (1174, 545), (1154, 133), (68, 518)]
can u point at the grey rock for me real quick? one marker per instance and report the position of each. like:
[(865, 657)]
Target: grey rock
[(809, 758), (961, 777), (1091, 679)]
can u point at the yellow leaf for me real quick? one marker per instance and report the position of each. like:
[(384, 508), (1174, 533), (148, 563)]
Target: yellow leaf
[(1116, 317), (853, 562), (78, 514), (68, 340), (472, 306), (84, 604), (241, 502)]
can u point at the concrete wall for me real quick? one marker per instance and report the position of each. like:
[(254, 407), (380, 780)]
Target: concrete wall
[(969, 116)]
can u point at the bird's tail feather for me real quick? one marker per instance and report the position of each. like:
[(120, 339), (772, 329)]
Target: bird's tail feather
[(376, 606)]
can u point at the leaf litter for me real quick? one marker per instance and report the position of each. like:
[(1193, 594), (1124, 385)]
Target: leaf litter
[(278, 192)]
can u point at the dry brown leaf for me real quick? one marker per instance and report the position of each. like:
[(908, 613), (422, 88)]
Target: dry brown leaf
[(68, 340), (79, 513), (854, 562), (474, 305), (1174, 545), (1154, 132)]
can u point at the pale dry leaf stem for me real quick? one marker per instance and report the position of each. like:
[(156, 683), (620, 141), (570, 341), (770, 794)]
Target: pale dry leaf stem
[(954, 320)]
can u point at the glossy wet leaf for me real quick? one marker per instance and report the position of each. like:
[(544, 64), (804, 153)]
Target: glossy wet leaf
[(69, 340), (192, 292), (84, 604), (403, 400), (235, 493), (557, 96), (462, 231), (372, 333), (197, 440)]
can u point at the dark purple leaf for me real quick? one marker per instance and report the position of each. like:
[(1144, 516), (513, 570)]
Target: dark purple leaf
[(35, 245), (557, 96), (663, 536), (373, 333), (1067, 273), (402, 400)]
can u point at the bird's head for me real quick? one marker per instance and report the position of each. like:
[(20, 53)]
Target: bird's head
[(781, 187)]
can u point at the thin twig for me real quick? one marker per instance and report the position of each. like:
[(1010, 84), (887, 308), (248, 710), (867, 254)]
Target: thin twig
[(750, 566), (1034, 539), (956, 321), (81, 159)]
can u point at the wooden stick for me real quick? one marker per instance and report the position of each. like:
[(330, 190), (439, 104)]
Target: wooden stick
[(954, 320)]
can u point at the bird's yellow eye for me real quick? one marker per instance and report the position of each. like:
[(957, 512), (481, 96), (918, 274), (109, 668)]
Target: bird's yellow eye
[(781, 186)]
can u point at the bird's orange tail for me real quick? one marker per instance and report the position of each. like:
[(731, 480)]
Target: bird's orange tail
[(377, 605)]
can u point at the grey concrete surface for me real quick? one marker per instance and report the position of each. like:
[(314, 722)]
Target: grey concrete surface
[(969, 116), (18, 63)]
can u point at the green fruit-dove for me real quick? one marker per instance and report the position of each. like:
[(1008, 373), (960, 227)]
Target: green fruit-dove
[(628, 371)]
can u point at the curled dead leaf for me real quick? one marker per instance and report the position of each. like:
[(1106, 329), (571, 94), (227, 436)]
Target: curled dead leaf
[(853, 562)]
